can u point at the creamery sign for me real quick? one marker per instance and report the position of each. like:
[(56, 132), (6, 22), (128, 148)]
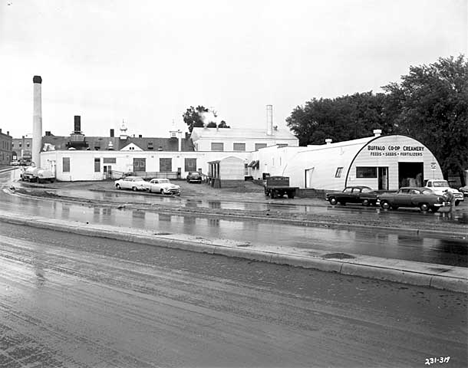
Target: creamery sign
[(394, 150)]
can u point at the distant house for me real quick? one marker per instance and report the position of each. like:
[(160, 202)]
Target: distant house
[(6, 154)]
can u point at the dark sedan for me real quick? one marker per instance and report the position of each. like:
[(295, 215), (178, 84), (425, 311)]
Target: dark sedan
[(353, 194), (423, 198), (194, 177)]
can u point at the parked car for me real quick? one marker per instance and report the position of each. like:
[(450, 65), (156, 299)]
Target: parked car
[(14, 163), (353, 194), (131, 182), (421, 197), (194, 177), (464, 190), (440, 187), (162, 186)]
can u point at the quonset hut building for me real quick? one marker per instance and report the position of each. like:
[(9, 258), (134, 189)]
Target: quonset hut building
[(380, 162)]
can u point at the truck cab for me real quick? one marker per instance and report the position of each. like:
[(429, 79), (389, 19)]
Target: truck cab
[(440, 186)]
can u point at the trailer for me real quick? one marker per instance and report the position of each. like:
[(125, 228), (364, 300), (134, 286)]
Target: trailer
[(278, 186)]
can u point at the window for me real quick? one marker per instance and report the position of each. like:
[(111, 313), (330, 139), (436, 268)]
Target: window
[(66, 164), (190, 164), (165, 164), (366, 172), (260, 146), (150, 146), (97, 165), (338, 172), (139, 164), (110, 160), (217, 146), (238, 146), (280, 145)]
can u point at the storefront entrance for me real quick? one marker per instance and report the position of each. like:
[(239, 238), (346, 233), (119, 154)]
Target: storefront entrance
[(410, 174)]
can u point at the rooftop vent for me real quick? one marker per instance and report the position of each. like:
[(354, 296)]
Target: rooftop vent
[(377, 132), (328, 141)]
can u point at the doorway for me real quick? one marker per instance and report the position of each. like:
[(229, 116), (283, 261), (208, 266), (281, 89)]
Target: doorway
[(410, 174), (308, 177), (383, 178)]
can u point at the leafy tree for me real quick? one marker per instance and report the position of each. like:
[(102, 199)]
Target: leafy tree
[(223, 124), (199, 116), (342, 118), (193, 117), (431, 105)]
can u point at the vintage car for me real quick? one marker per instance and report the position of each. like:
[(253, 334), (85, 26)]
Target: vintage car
[(441, 187), (131, 182), (464, 190), (162, 186), (353, 194), (194, 177), (421, 197)]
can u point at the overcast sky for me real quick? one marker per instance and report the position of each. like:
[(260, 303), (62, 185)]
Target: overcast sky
[(147, 61)]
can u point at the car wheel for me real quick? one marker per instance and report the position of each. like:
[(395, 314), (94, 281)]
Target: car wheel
[(134, 189), (457, 203), (434, 209), (366, 202), (424, 207), (394, 208), (161, 191), (385, 205), (333, 201), (117, 186)]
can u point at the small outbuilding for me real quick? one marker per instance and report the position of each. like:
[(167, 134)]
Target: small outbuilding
[(226, 172)]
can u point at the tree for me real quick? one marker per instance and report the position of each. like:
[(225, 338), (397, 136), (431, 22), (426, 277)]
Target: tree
[(223, 124), (342, 118), (202, 116), (193, 117), (431, 105)]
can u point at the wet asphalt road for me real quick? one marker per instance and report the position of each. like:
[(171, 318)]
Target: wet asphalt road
[(75, 301), (445, 249)]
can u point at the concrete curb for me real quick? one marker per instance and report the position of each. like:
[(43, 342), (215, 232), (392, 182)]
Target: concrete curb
[(412, 273)]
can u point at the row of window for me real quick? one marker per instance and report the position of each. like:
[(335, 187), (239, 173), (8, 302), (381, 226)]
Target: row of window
[(219, 146), (139, 164), (6, 146), (361, 172), (20, 145)]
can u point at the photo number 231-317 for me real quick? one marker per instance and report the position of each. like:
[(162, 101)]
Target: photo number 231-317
[(430, 361)]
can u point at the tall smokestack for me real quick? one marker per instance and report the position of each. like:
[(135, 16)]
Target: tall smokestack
[(269, 119), (37, 121)]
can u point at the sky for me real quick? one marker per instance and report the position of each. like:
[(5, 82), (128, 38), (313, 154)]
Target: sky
[(146, 61)]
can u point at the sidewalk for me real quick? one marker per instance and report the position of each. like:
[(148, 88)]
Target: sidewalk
[(413, 273)]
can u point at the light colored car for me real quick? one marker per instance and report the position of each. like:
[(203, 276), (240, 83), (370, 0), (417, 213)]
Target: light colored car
[(131, 182), (441, 186), (162, 186)]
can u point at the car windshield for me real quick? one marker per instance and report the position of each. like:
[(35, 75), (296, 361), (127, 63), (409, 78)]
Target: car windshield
[(440, 183)]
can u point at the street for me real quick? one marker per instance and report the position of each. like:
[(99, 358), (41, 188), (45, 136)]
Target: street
[(75, 301)]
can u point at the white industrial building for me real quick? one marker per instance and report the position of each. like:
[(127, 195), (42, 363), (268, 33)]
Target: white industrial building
[(231, 154), (380, 162)]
